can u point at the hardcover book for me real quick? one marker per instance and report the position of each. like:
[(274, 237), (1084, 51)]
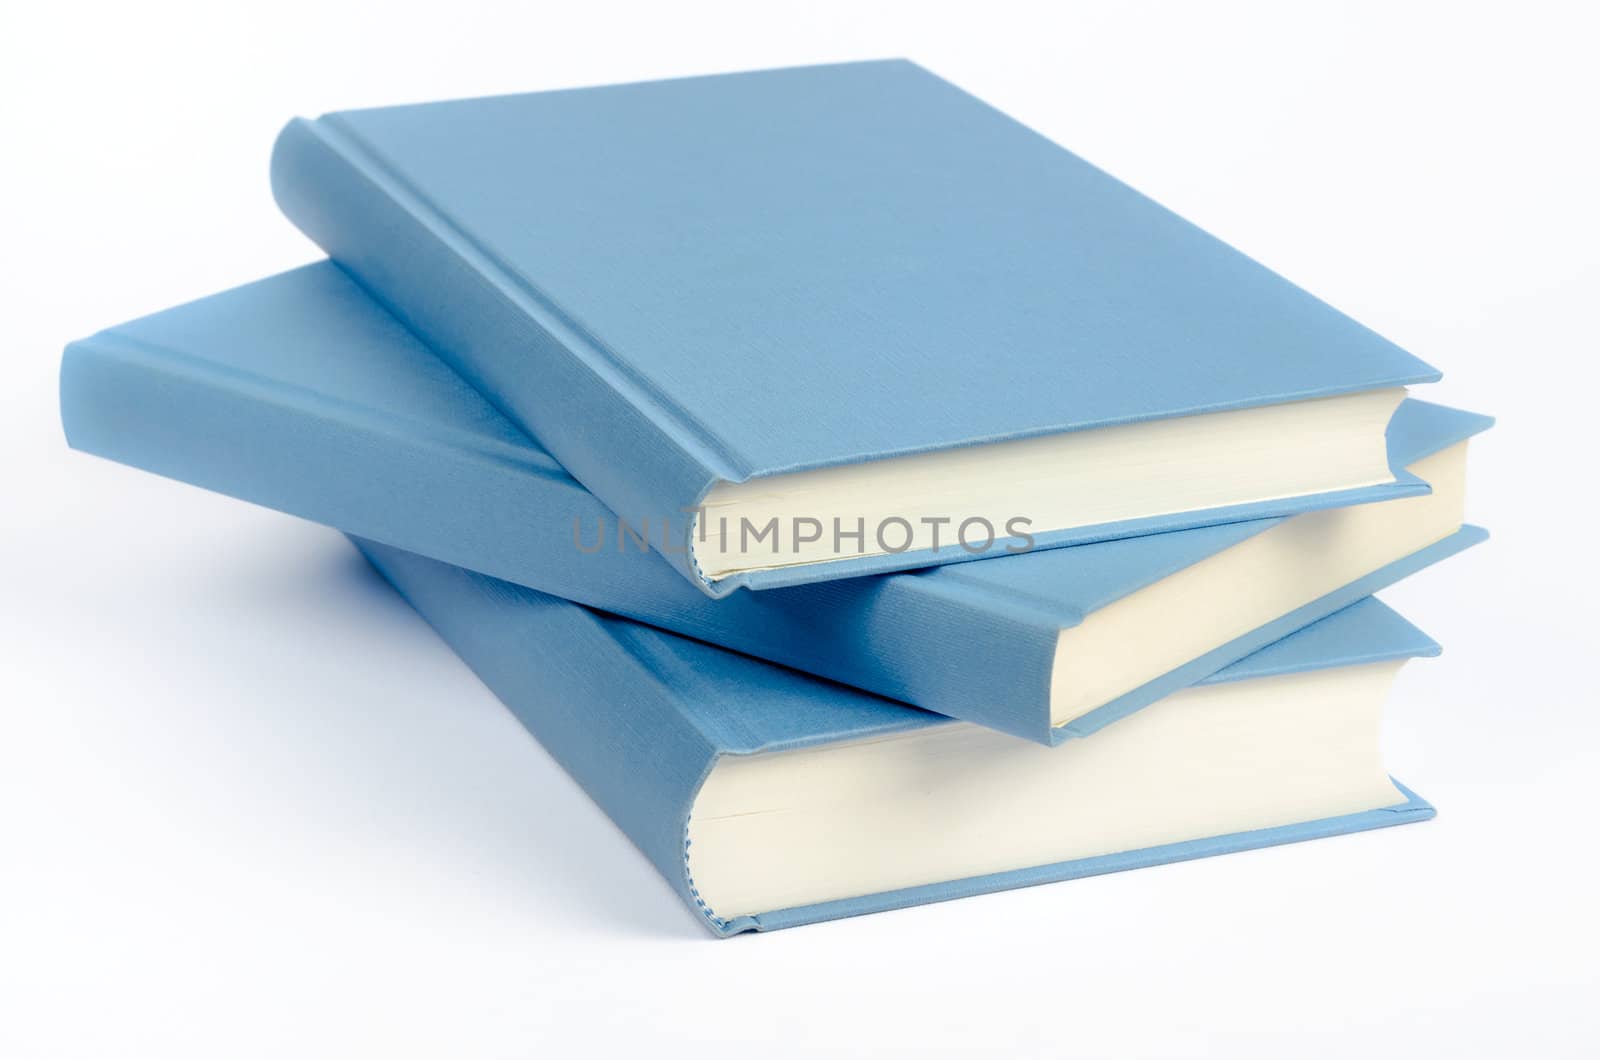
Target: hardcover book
[(300, 393), (842, 320), (769, 799)]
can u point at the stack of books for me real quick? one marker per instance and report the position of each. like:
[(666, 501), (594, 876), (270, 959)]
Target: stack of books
[(866, 500)]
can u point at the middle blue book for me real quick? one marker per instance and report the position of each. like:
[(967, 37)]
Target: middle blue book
[(300, 393)]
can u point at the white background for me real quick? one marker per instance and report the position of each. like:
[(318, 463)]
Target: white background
[(251, 806)]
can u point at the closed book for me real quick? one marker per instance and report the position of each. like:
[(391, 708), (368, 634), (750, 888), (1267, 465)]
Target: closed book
[(842, 320), (300, 393), (769, 799)]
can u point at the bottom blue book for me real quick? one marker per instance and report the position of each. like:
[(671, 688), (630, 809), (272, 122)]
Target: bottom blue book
[(768, 798)]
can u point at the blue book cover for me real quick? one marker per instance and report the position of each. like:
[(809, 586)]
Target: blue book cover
[(769, 799), (821, 292), (300, 393)]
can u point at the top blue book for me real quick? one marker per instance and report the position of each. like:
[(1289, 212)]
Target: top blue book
[(804, 324)]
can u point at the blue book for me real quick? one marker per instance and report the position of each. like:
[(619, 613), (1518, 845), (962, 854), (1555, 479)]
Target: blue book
[(831, 321), (300, 393), (769, 799)]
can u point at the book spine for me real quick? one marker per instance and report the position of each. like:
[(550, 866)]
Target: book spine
[(567, 676), (446, 493), (494, 507), (643, 457)]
